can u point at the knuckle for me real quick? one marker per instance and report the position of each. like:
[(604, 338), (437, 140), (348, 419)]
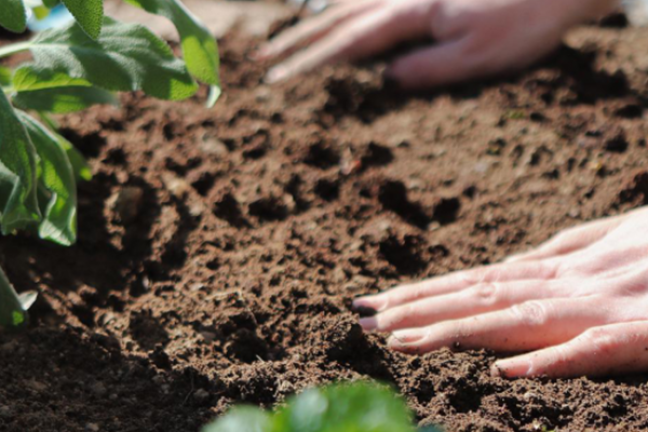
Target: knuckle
[(600, 341), (488, 293), (531, 314)]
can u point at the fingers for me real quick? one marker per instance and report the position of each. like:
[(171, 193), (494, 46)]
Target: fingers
[(601, 351), (478, 299), (314, 28), (571, 240), (456, 282), (364, 36), (528, 326), (446, 63)]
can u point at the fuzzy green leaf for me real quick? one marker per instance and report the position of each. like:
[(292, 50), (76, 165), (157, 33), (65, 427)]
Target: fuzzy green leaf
[(51, 4), (353, 408), (126, 57), (18, 199), (5, 76), (61, 100), (88, 13), (199, 46), (241, 419), (56, 176), (12, 313), (13, 16), (80, 167)]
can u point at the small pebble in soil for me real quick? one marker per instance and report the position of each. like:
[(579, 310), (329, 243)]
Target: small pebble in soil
[(201, 395), (128, 203)]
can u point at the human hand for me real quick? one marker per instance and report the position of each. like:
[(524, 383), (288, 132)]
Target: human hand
[(475, 38), (579, 303)]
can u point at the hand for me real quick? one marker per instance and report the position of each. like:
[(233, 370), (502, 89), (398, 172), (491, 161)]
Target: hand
[(475, 38), (578, 302)]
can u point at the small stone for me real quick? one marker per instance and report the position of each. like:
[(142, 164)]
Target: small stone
[(5, 411), (208, 336), (158, 380), (213, 146), (178, 187), (201, 395), (99, 389), (128, 203), (92, 427), (529, 396)]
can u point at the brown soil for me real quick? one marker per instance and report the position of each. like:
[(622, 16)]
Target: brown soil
[(219, 249)]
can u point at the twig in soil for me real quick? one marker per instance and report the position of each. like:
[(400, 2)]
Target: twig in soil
[(190, 391)]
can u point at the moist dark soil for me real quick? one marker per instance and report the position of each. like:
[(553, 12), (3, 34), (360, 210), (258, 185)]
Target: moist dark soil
[(219, 249)]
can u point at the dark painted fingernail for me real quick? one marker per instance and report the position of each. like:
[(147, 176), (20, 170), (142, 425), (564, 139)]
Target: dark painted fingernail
[(364, 312)]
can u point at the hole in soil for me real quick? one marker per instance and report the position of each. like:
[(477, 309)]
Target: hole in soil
[(446, 211), (630, 111), (84, 314), (228, 208), (256, 146), (115, 156), (637, 193), (406, 254), (246, 346), (321, 155), (376, 155), (204, 183), (328, 190), (617, 144), (89, 144), (393, 196), (345, 342), (269, 209)]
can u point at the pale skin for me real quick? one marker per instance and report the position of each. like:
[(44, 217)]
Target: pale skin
[(576, 305)]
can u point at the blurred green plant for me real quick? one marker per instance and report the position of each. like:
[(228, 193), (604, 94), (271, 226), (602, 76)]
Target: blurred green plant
[(356, 407), (74, 67)]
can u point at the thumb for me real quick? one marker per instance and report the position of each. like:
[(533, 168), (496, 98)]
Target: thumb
[(445, 63)]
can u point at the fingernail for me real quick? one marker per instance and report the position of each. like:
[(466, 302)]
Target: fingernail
[(378, 304), (495, 371), (511, 368), (276, 74), (365, 312), (404, 339), (369, 324)]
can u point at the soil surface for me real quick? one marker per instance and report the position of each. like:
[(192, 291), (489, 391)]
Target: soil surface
[(219, 249)]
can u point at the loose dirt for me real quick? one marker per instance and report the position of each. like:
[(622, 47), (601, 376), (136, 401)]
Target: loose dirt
[(219, 250)]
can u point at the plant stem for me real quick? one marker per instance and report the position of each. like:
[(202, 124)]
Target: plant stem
[(8, 50)]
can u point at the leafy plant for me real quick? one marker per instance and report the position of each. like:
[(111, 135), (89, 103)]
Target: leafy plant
[(340, 408), (72, 68)]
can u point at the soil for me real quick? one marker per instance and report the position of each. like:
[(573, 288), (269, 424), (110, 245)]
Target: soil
[(219, 249)]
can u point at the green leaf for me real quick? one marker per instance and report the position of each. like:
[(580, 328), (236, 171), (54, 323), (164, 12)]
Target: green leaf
[(126, 57), (61, 100), (80, 167), (5, 76), (199, 46), (51, 4), (241, 419), (57, 178), (13, 16), (18, 200), (12, 313), (88, 13), (353, 408)]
